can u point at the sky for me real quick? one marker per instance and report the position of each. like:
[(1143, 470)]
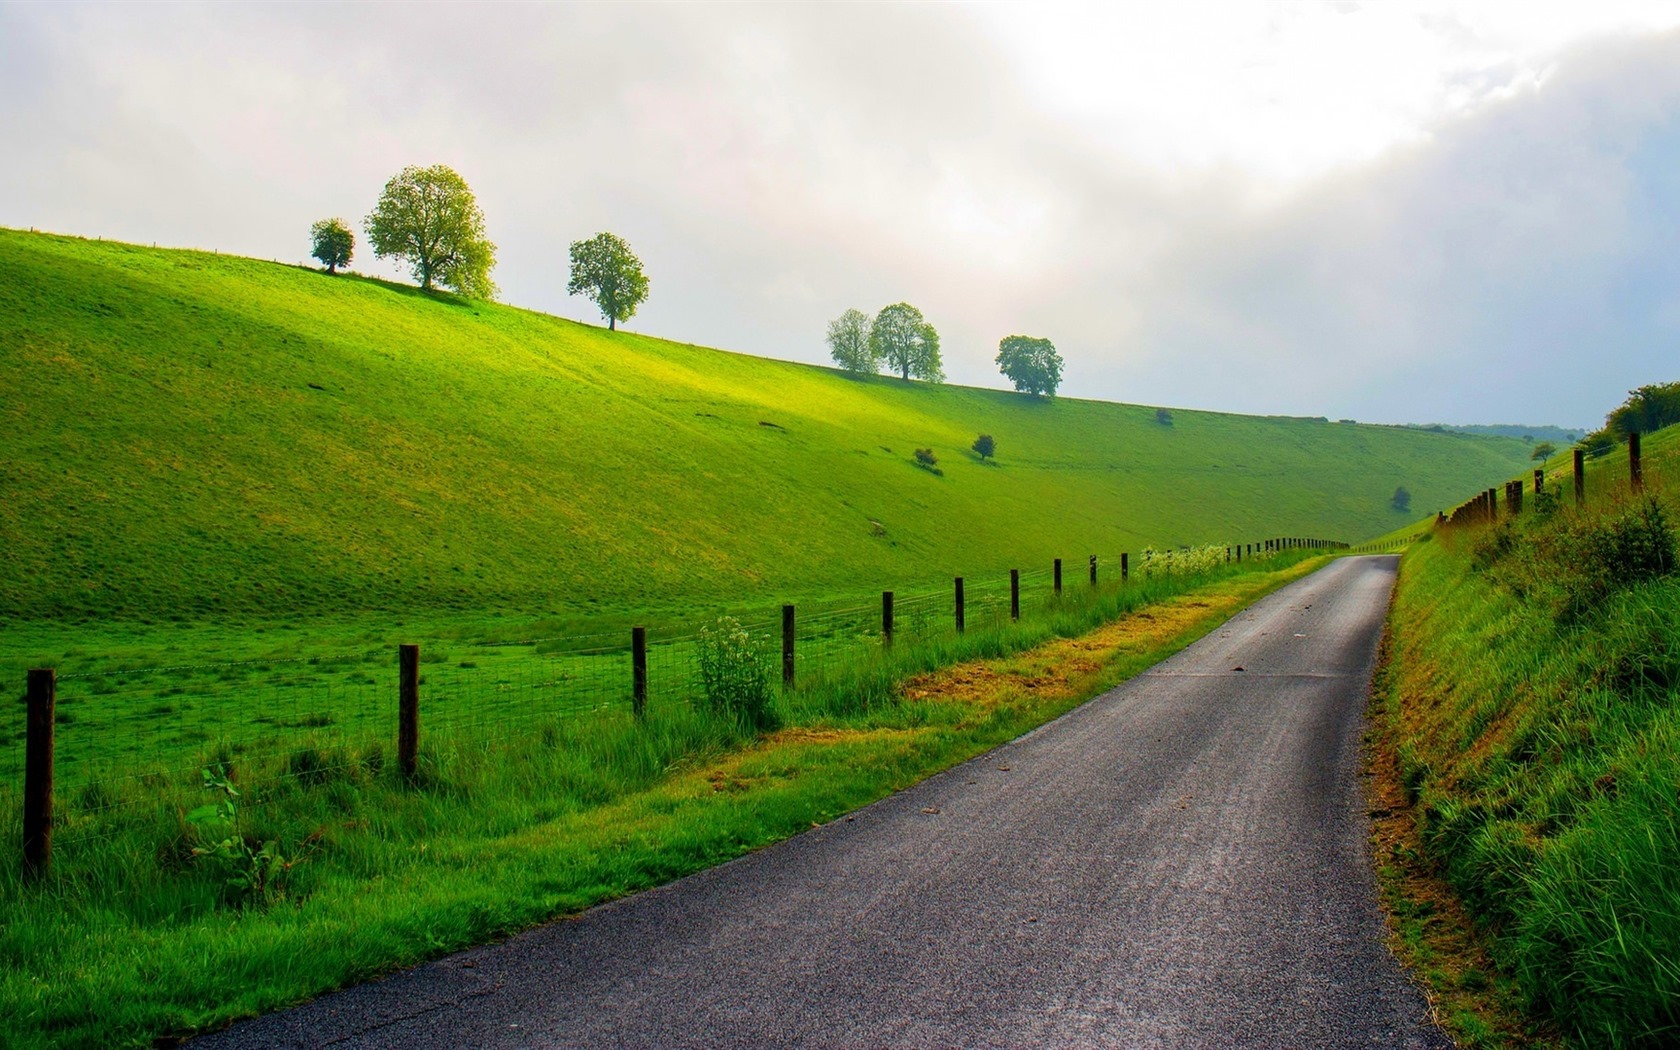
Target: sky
[(1463, 213)]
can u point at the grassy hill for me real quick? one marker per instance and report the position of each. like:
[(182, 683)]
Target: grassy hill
[(188, 435)]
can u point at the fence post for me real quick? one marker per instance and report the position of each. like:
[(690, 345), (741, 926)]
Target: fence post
[(961, 626), (1635, 477), (1580, 476), (1539, 482), (638, 671), (408, 711), (1093, 570), (1014, 594), (1125, 567), (38, 773), (886, 618), (787, 646), (1058, 575), (1493, 505)]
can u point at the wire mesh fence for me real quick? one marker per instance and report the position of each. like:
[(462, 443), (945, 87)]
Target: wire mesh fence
[(128, 740)]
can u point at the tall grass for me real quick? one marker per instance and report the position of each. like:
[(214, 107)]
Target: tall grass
[(1536, 681)]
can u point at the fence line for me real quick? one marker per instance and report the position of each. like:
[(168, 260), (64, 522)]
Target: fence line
[(125, 734)]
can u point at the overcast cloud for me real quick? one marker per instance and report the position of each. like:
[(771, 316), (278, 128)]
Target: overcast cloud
[(1394, 213)]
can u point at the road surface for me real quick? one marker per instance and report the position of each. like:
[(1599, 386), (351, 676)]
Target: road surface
[(1181, 862)]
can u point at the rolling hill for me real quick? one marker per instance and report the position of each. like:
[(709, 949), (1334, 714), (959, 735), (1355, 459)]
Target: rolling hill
[(190, 435)]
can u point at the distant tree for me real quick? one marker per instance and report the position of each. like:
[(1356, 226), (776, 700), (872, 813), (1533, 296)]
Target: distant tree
[(1401, 500), (608, 272), (1598, 443), (430, 218), (925, 457), (906, 342), (1031, 364), (1543, 451), (334, 243), (848, 342), (1648, 408), (984, 447), (1163, 416)]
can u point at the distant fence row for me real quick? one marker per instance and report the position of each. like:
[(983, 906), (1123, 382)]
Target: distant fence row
[(94, 744), (1485, 507)]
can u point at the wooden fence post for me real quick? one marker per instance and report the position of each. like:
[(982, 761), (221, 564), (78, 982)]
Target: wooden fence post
[(1125, 567), (1093, 570), (1058, 575), (1539, 482), (961, 626), (886, 618), (1014, 594), (38, 773), (638, 671), (408, 711), (1580, 458), (787, 646), (1635, 476)]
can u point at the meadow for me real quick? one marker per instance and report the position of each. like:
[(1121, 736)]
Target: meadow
[(1531, 708)]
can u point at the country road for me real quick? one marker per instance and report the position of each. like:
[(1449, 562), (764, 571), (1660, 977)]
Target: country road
[(1181, 862)]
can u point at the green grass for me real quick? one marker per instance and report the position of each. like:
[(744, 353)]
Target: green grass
[(198, 435), (132, 937), (1535, 697)]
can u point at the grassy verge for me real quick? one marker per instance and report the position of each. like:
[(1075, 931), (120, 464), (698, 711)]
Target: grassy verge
[(142, 938), (1529, 738)]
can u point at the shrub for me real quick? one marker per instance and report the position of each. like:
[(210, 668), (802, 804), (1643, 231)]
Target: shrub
[(984, 446), (735, 674), (925, 457), (1163, 416), (1401, 500)]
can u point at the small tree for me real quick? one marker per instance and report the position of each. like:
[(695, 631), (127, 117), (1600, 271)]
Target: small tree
[(1163, 416), (848, 342), (1543, 451), (334, 243), (429, 217), (1648, 408), (906, 342), (984, 447), (608, 272), (1031, 364), (926, 458), (1401, 500)]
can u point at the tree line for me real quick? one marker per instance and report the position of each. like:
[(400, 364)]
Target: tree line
[(901, 339), (430, 219)]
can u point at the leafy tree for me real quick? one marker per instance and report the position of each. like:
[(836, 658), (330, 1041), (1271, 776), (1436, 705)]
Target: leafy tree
[(1031, 364), (608, 272), (1543, 451), (430, 218), (1598, 443), (1401, 500), (984, 446), (1648, 408), (1163, 416), (334, 243), (848, 341), (906, 342)]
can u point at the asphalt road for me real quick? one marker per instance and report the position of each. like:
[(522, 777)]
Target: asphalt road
[(1181, 862)]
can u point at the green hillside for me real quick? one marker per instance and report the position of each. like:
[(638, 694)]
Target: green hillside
[(187, 434)]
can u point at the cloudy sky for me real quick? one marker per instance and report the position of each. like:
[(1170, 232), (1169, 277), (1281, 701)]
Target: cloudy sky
[(1393, 212)]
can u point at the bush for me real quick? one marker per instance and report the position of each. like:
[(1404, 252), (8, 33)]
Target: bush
[(735, 674), (984, 446), (925, 457), (1163, 416)]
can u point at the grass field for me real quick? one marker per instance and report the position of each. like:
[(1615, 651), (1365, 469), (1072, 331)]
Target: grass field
[(1533, 711), (516, 819), (197, 435)]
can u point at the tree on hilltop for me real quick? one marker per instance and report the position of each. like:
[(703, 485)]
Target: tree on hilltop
[(1032, 364), (334, 243), (430, 218), (1543, 451), (848, 343), (984, 447), (1647, 408), (608, 272), (903, 339)]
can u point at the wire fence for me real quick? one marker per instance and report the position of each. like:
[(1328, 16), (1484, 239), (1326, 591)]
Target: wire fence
[(128, 739)]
